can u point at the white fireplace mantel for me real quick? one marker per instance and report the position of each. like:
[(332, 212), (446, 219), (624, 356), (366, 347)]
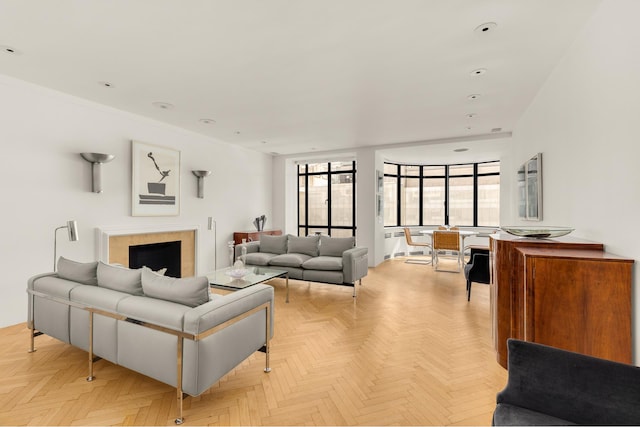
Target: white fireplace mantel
[(103, 234)]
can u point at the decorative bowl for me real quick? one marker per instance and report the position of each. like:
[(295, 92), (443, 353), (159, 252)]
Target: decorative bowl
[(237, 273), (537, 232)]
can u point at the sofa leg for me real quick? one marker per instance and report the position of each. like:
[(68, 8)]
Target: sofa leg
[(32, 338), (31, 326), (179, 395), (287, 285), (354, 290), (90, 377)]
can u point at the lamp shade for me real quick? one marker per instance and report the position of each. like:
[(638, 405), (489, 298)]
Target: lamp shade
[(73, 231)]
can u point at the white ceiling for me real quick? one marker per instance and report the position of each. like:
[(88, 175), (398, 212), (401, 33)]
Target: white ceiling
[(297, 76)]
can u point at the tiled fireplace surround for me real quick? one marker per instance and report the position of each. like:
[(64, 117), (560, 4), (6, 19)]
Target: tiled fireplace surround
[(113, 243)]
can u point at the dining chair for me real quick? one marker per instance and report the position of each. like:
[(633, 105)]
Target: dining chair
[(477, 269), (446, 241), (422, 245)]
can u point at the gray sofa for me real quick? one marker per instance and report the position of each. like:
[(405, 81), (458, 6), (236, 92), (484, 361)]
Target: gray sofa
[(550, 386), (169, 329), (321, 259)]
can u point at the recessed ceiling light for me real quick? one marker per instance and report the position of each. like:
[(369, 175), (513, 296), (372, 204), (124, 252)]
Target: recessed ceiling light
[(473, 96), (106, 84), (8, 49), (471, 116), (485, 28), (496, 129), (163, 105), (237, 132), (468, 128), (263, 142), (478, 71), (461, 150), (207, 121)]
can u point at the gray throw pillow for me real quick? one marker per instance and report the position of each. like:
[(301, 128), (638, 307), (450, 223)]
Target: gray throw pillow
[(273, 244), (190, 291), (303, 245), (81, 272), (335, 246), (119, 278)]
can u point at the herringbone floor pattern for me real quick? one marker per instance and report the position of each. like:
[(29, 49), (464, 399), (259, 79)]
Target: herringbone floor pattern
[(409, 350)]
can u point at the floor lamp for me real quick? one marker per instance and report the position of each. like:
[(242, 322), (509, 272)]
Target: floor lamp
[(72, 228)]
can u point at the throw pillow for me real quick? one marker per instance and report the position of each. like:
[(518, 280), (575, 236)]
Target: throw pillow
[(273, 244), (190, 291), (335, 246), (303, 245), (119, 278), (81, 272)]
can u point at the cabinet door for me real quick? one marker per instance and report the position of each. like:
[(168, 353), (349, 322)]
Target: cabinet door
[(580, 305)]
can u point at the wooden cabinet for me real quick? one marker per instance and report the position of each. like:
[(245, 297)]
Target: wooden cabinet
[(507, 283), (252, 236), (578, 300)]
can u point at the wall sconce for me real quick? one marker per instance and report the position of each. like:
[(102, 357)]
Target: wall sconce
[(201, 175), (72, 228), (96, 160)]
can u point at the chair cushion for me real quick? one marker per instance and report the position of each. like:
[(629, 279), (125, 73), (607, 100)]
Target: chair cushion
[(190, 291), (273, 244), (335, 246), (120, 278), (327, 263), (289, 260), (510, 415), (258, 258), (303, 245), (82, 272)]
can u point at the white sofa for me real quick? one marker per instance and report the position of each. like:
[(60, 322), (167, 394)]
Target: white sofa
[(325, 259), (169, 329)]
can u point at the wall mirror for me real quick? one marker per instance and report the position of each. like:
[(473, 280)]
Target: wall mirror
[(530, 189)]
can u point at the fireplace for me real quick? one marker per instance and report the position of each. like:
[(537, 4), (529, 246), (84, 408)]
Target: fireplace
[(113, 244), (157, 256)]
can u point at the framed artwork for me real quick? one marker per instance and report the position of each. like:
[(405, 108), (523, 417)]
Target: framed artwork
[(155, 182), (379, 181)]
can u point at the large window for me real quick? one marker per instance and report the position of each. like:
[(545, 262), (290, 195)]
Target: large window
[(465, 195), (326, 199)]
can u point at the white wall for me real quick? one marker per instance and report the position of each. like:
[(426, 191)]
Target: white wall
[(44, 182), (584, 120)]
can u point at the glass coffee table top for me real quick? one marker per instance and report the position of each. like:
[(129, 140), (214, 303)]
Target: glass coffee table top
[(220, 279)]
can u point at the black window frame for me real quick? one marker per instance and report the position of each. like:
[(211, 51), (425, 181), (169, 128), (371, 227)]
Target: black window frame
[(303, 171), (447, 175)]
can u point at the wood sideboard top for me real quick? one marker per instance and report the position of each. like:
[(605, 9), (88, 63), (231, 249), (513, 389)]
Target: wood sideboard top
[(568, 253)]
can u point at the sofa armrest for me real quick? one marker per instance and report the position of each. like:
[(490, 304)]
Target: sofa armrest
[(355, 264), (215, 312), (251, 247), (30, 283), (39, 276)]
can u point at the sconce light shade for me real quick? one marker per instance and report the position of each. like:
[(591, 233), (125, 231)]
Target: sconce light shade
[(72, 228), (96, 160), (201, 174)]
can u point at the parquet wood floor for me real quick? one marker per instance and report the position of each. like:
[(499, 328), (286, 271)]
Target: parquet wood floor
[(409, 350)]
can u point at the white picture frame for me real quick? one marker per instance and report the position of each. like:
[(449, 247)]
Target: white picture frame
[(155, 180)]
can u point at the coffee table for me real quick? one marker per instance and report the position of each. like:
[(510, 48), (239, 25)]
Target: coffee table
[(219, 279)]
